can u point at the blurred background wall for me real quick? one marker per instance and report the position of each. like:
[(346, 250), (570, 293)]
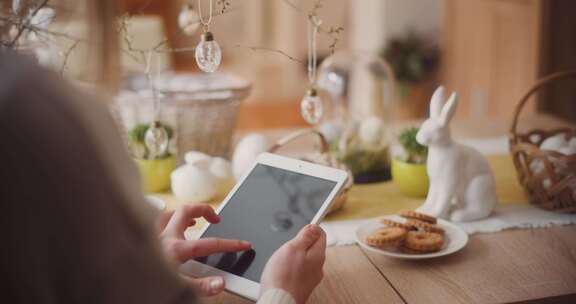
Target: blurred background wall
[(491, 51)]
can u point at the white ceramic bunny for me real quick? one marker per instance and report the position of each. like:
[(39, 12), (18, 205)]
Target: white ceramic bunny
[(462, 186)]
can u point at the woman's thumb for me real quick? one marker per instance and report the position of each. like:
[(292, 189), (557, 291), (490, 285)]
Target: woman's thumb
[(307, 236)]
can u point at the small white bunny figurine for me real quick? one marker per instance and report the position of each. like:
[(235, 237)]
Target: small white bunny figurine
[(462, 186)]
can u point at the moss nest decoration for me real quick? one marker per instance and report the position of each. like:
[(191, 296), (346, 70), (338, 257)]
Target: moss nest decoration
[(369, 161), (363, 160)]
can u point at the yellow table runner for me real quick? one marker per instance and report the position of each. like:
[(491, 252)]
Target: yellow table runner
[(371, 200)]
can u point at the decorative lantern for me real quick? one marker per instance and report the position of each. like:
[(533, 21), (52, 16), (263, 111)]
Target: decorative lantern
[(360, 88)]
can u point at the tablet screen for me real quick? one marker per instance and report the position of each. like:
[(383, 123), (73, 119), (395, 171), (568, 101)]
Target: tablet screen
[(268, 209)]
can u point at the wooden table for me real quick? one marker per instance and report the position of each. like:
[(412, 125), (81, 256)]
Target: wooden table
[(528, 266)]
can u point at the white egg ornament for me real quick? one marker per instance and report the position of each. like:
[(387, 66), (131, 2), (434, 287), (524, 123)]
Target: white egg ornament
[(222, 170), (193, 184), (330, 130), (198, 159), (572, 143), (246, 152), (536, 166), (554, 143), (567, 150), (188, 20), (371, 131)]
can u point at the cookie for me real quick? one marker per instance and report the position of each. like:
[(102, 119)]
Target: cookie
[(409, 214), (424, 226), (423, 241), (391, 223), (389, 236)]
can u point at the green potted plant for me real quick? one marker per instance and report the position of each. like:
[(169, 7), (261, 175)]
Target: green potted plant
[(414, 60), (409, 167), (154, 170)]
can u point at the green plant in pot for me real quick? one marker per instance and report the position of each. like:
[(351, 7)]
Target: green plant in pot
[(414, 60), (409, 168), (154, 170)]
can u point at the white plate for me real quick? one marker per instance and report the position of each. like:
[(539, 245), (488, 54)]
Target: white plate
[(455, 239)]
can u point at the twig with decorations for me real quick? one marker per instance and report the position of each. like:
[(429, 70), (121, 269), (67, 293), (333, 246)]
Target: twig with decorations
[(27, 23), (189, 22), (34, 19)]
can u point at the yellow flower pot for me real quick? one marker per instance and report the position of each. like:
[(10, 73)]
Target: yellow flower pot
[(411, 179), (155, 173)]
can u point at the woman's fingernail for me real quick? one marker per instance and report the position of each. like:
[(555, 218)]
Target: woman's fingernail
[(314, 229), (216, 284), (245, 243)]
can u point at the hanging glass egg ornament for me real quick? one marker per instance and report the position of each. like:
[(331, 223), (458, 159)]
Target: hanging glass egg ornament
[(188, 20), (208, 53), (16, 5), (311, 107), (156, 140)]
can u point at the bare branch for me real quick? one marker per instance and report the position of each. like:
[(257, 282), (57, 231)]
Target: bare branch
[(53, 33), (280, 52), (26, 21), (160, 44), (252, 48), (293, 6), (67, 56), (333, 32), (177, 50), (131, 55), (140, 55)]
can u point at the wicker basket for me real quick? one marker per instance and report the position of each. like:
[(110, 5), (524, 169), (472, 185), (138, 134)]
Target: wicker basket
[(548, 177), (201, 108), (321, 157)]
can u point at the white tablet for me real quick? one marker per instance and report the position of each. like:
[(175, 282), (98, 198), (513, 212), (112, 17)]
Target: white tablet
[(268, 207)]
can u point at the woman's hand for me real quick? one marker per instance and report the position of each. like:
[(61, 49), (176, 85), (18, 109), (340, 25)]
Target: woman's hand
[(297, 266), (181, 250)]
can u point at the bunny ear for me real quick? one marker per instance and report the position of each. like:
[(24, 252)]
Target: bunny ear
[(436, 102), (449, 109)]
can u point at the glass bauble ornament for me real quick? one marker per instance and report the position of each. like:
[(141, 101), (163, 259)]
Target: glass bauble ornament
[(311, 107), (208, 53), (156, 140), (188, 20), (16, 6)]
